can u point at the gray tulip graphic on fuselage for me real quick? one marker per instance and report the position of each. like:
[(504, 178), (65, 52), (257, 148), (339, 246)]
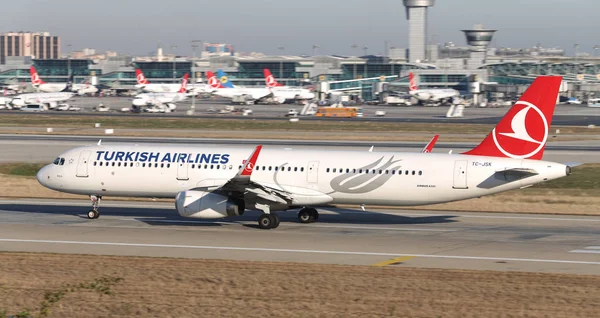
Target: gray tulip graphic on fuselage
[(357, 182)]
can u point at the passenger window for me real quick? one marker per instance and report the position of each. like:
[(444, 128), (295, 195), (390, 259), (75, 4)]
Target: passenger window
[(218, 167), (230, 167), (162, 165), (264, 168), (119, 164), (380, 171), (100, 163), (420, 173), (386, 172), (113, 164), (193, 166), (406, 172), (360, 171), (353, 170), (333, 170), (212, 166), (295, 168), (156, 165), (143, 165), (347, 170), (413, 172), (240, 167), (94, 163), (289, 168), (393, 171), (131, 164), (327, 170)]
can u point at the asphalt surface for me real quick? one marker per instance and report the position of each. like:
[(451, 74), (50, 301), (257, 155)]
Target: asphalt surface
[(516, 242), (566, 115)]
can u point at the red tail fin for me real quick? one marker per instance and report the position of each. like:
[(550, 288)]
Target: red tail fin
[(35, 78), (213, 81), (270, 79), (141, 79), (522, 133), (430, 144), (184, 83), (413, 83)]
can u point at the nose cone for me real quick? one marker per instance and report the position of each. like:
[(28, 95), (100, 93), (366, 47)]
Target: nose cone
[(43, 176)]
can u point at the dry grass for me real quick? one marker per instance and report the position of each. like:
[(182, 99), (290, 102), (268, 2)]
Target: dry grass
[(157, 287)]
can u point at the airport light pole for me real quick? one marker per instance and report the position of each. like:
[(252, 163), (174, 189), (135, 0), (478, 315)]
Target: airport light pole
[(315, 47), (354, 46), (68, 61), (366, 48), (596, 48), (194, 46), (173, 47), (282, 49)]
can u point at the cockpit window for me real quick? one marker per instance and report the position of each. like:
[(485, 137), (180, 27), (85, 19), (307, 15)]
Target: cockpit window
[(59, 161)]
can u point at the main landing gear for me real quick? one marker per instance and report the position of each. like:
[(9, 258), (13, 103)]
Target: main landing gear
[(268, 221), (308, 215), (93, 213)]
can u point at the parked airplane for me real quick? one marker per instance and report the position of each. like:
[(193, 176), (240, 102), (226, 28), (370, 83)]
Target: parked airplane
[(83, 88), (433, 95), (216, 182), (163, 99), (430, 144), (145, 85), (223, 87), (51, 99), (42, 86), (284, 93)]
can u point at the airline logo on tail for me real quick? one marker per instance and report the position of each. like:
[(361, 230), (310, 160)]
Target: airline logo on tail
[(184, 83), (270, 79), (213, 81), (141, 79), (224, 79), (523, 132), (35, 78), (413, 82)]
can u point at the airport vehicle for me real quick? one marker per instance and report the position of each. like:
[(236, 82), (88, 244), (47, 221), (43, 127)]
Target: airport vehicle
[(593, 102), (67, 107), (217, 182), (337, 112), (42, 86), (574, 101), (223, 87), (282, 93), (51, 99), (160, 100), (146, 86), (34, 108), (433, 96)]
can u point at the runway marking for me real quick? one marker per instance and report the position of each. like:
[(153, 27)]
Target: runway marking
[(317, 226), (277, 250), (394, 261), (588, 250), (474, 216)]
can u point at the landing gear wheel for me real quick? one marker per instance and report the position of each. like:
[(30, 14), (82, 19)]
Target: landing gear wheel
[(268, 221), (93, 214), (308, 215), (275, 219)]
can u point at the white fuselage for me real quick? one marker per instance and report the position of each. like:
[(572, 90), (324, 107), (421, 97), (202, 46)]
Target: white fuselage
[(255, 93), (145, 99), (291, 93), (434, 95), (33, 98), (311, 177), (159, 88), (82, 89), (51, 87)]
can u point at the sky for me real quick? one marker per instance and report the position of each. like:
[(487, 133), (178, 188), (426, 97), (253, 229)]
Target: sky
[(137, 27)]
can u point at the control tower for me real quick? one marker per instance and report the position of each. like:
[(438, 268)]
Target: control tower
[(478, 39), (416, 13)]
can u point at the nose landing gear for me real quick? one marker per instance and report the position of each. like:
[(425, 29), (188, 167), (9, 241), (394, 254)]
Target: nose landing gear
[(93, 213)]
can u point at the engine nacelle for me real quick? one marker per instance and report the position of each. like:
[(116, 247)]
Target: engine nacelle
[(206, 205)]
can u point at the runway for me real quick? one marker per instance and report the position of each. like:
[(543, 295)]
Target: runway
[(519, 242), (565, 115)]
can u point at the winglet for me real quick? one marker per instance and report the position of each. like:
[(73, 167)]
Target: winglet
[(431, 143), (249, 164), (99, 142)]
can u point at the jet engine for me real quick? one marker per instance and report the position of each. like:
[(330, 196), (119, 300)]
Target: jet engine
[(207, 205)]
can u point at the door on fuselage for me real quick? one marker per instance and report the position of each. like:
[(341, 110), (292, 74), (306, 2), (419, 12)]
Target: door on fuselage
[(82, 164), (460, 174), (182, 171), (312, 174)]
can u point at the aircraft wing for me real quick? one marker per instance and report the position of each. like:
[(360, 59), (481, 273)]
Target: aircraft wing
[(242, 185), (430, 144)]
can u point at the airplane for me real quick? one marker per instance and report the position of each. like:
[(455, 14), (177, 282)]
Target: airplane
[(431, 95), (44, 87), (146, 86), (160, 99), (83, 88), (217, 182), (284, 93), (223, 87), (52, 99)]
